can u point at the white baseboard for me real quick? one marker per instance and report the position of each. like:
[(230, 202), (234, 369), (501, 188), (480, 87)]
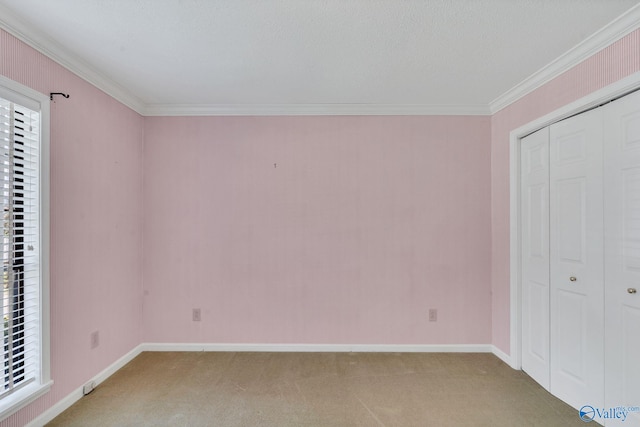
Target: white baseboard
[(502, 356), (370, 348), (75, 395)]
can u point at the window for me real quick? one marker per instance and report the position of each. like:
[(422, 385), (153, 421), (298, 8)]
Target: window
[(24, 296)]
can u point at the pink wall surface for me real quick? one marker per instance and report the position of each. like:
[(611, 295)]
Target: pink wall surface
[(334, 230), (607, 66), (327, 230), (96, 209)]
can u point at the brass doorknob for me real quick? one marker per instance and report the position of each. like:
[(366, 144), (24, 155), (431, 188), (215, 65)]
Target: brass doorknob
[(632, 290)]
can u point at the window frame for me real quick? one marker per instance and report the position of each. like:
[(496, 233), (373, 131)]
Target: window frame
[(36, 101)]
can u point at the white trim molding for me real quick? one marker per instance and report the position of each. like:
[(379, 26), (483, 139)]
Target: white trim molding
[(618, 28), (502, 356), (314, 110), (322, 348), (58, 53), (599, 97), (612, 32)]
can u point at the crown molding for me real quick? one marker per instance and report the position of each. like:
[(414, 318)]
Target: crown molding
[(34, 38), (314, 110), (615, 30), (621, 26), (37, 40)]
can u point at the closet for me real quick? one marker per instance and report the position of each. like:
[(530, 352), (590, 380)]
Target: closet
[(580, 257)]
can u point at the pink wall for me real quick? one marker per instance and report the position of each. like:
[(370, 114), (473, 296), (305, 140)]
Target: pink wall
[(607, 66), (96, 159), (365, 223)]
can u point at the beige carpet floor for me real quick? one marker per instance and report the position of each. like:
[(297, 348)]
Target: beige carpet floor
[(318, 389)]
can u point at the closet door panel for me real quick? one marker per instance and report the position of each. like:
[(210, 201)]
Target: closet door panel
[(571, 195), (622, 255), (535, 255), (576, 260)]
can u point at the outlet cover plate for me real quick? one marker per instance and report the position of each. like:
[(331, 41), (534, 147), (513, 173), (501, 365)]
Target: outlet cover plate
[(95, 339)]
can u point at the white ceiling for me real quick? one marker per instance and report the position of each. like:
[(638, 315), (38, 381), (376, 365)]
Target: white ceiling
[(235, 55)]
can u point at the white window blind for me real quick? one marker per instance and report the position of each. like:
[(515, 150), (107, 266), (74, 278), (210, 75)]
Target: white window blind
[(24, 246), (20, 299)]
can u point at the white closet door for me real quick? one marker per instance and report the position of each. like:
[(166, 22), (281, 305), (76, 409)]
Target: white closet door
[(576, 260), (622, 255), (535, 255)]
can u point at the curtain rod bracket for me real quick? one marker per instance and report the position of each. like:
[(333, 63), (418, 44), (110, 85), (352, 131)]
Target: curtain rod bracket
[(66, 95)]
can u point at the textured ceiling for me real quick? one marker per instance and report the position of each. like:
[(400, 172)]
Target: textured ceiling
[(284, 52)]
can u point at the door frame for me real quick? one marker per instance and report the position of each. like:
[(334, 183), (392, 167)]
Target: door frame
[(598, 97)]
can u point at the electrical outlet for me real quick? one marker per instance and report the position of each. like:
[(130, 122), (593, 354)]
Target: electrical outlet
[(433, 315), (196, 315), (88, 387), (95, 339)]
